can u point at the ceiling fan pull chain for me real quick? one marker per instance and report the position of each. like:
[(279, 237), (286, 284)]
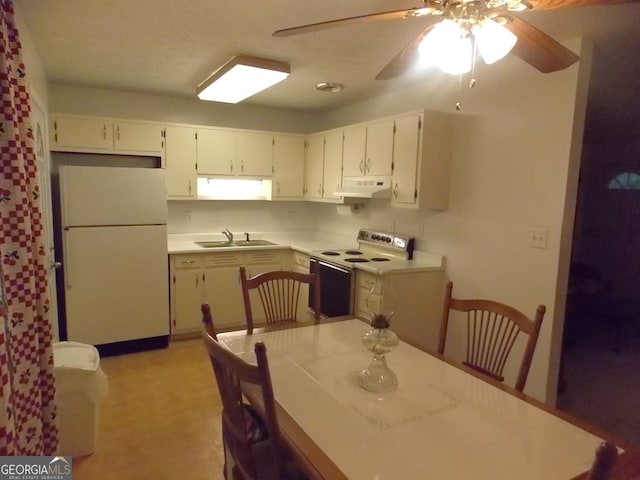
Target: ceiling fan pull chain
[(474, 55), (459, 104)]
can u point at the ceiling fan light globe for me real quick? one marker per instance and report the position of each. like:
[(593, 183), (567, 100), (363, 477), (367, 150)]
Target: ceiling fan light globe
[(447, 47), (493, 41), (457, 57)]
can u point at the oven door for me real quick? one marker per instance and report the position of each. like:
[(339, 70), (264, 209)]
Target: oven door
[(336, 288)]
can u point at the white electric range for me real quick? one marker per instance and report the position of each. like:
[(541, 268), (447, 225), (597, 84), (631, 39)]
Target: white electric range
[(381, 275)]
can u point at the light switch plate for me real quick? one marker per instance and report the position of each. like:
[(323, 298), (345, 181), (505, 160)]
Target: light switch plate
[(538, 237)]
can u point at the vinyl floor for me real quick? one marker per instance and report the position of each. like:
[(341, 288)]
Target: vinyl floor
[(160, 419)]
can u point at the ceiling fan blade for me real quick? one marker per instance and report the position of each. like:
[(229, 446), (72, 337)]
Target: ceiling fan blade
[(405, 59), (553, 4), (373, 17), (538, 49)]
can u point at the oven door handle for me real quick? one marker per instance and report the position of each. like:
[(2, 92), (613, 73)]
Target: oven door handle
[(332, 266)]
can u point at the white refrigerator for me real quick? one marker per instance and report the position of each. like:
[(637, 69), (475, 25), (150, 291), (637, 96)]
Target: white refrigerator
[(114, 240)]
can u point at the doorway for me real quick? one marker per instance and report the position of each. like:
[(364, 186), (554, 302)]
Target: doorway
[(601, 344)]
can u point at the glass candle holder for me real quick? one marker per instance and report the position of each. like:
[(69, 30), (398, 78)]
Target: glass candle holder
[(379, 340)]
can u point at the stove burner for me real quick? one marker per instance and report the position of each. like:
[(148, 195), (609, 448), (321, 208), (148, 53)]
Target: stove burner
[(379, 259), (356, 260), (353, 252), (331, 254)]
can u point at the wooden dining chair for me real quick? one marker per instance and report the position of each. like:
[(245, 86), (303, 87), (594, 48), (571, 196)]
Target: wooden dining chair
[(279, 293), (251, 437), (207, 320), (603, 462), (491, 331)]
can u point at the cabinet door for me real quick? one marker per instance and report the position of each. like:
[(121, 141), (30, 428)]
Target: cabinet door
[(288, 166), (137, 137), (180, 157), (332, 178), (379, 148), (255, 154), (355, 139), (368, 295), (81, 132), (187, 298), (405, 159), (216, 152), (223, 292), (314, 165)]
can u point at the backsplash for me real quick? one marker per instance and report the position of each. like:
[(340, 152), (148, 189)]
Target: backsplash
[(261, 216), (192, 216)]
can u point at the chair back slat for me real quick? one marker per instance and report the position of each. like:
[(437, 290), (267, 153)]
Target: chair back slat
[(279, 294), (492, 329), (234, 376)]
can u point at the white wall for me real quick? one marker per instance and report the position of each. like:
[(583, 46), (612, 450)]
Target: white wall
[(514, 141), (32, 60)]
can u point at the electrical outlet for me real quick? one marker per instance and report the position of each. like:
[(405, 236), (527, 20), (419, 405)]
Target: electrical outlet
[(290, 215), (188, 215), (420, 230), (538, 237)]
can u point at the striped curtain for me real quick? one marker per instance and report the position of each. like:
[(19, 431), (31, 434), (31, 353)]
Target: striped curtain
[(27, 388)]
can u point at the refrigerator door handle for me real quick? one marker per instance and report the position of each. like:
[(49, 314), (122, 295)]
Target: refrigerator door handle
[(66, 269)]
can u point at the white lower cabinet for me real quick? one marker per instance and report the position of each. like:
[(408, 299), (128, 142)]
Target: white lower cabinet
[(415, 298), (186, 292), (222, 288), (300, 264), (215, 278)]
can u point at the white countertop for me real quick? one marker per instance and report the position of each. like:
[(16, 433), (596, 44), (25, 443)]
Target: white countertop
[(305, 242)]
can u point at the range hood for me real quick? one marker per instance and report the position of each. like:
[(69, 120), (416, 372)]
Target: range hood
[(365, 187)]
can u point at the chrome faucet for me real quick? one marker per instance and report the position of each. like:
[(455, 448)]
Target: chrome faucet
[(228, 234)]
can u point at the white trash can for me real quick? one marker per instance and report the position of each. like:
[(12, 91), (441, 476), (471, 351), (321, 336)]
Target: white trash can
[(80, 386)]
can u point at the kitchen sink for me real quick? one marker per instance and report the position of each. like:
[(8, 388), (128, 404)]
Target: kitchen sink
[(253, 243), (237, 243)]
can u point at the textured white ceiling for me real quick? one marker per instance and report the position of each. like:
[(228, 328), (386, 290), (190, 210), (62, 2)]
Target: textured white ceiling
[(168, 47)]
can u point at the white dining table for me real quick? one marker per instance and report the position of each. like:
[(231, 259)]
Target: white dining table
[(440, 423)]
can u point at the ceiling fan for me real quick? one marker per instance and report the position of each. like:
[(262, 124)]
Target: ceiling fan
[(486, 25)]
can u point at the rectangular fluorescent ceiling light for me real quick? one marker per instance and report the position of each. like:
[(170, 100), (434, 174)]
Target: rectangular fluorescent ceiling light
[(241, 77)]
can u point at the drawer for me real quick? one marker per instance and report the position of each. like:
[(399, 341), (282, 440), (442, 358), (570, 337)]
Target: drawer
[(223, 259), (187, 261), (367, 303), (367, 280), (301, 260), (264, 256)]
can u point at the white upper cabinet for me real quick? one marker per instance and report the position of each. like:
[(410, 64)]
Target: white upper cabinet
[(180, 155), (70, 133), (255, 154), (422, 160), (81, 133), (332, 176), (235, 152), (137, 137), (216, 152), (288, 166), (355, 144), (368, 149), (379, 148), (314, 167)]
